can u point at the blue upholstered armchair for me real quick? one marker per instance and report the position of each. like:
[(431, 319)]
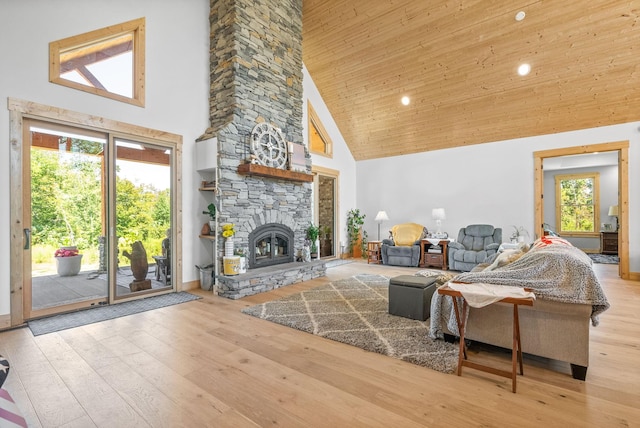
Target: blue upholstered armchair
[(475, 243), (403, 249)]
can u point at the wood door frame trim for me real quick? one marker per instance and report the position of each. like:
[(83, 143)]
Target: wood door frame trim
[(16, 261), (622, 147), (20, 110)]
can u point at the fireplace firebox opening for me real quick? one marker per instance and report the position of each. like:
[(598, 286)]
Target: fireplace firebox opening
[(270, 244)]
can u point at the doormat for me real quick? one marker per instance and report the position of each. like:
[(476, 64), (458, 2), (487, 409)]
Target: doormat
[(355, 311), (102, 313)]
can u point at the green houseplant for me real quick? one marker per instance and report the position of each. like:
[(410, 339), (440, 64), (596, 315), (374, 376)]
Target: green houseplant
[(313, 232), (357, 235), (211, 212)]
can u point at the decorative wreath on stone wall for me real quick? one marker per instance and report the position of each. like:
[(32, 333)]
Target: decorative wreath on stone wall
[(269, 146)]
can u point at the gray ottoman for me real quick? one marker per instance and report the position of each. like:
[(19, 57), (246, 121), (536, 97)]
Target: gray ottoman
[(410, 296)]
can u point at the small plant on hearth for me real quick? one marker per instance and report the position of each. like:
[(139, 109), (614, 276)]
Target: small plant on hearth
[(313, 232)]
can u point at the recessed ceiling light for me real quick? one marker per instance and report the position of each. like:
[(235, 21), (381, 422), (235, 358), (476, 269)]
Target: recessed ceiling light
[(524, 69), (405, 100), (520, 15)]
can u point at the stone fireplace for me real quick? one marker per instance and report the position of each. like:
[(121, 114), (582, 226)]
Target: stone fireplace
[(256, 77)]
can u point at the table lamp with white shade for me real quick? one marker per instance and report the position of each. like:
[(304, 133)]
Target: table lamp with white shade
[(380, 217), (438, 214), (613, 212)]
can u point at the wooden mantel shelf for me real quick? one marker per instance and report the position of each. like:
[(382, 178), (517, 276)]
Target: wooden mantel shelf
[(266, 171)]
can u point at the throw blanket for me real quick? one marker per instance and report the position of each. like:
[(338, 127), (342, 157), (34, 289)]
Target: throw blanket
[(553, 268)]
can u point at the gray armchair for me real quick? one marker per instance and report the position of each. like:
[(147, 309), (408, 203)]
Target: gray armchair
[(403, 249), (475, 243)]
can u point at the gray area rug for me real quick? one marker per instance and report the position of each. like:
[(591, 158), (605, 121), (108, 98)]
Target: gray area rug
[(355, 311), (102, 313), (605, 259)]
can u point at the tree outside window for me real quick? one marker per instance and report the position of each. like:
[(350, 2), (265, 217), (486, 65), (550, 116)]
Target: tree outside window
[(577, 203)]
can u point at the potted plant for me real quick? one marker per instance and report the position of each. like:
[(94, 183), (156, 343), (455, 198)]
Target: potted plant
[(357, 235), (242, 253), (68, 261), (211, 212), (313, 232)]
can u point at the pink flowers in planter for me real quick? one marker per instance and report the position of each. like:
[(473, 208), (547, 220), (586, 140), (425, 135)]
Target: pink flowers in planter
[(66, 252), (68, 261)]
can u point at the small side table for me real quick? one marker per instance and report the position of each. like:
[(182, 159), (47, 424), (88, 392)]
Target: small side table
[(609, 242), (374, 252), (433, 259), (516, 349)]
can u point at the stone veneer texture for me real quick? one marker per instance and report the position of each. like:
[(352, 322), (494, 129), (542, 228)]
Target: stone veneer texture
[(256, 76)]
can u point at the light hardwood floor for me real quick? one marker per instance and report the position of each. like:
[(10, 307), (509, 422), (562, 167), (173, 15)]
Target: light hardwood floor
[(204, 363)]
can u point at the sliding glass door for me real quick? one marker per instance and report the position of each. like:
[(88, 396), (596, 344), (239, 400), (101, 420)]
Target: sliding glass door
[(142, 215), (97, 214), (64, 218)]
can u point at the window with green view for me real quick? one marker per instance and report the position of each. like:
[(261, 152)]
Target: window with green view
[(577, 205)]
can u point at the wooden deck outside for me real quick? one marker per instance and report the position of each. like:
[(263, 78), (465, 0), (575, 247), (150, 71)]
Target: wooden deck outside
[(54, 290)]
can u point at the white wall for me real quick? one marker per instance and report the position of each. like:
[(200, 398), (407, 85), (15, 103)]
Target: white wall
[(342, 159), (177, 85), (487, 183)]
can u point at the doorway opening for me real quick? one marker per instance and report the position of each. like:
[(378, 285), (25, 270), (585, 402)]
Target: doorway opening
[(542, 204), (326, 210)]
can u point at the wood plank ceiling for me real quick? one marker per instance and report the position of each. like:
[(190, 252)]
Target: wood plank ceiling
[(458, 60)]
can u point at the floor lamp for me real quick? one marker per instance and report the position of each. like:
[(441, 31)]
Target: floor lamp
[(380, 217)]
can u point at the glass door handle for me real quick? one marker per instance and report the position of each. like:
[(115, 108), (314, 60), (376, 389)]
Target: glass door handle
[(27, 239)]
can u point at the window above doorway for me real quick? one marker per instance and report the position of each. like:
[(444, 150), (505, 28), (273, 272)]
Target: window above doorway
[(108, 62)]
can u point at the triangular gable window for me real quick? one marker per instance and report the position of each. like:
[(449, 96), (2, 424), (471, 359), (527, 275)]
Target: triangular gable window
[(319, 141), (107, 62)]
